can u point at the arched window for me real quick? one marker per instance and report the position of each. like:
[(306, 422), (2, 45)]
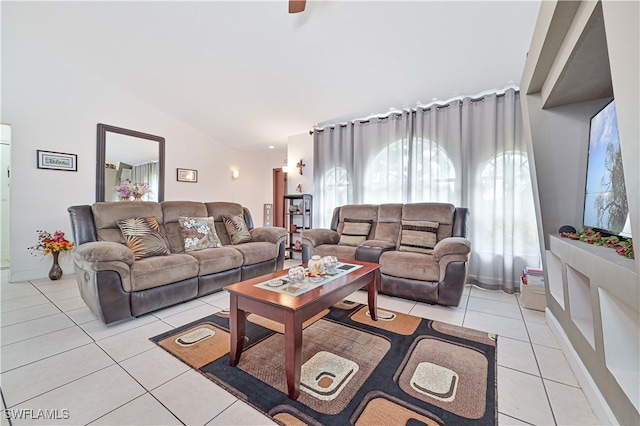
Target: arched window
[(435, 175), (337, 191), (392, 178), (505, 220)]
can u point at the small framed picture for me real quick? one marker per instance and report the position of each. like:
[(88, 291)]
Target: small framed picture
[(187, 175), (57, 161)]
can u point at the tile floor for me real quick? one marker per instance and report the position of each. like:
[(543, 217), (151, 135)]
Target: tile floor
[(56, 355)]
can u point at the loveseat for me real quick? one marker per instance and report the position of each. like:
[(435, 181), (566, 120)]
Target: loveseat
[(117, 283), (421, 248)]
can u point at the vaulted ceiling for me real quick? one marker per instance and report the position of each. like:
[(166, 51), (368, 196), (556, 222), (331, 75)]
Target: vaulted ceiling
[(249, 74)]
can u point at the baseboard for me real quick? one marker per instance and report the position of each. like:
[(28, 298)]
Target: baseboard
[(598, 404)]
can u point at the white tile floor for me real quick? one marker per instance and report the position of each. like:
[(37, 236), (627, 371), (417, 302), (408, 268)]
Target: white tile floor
[(55, 354)]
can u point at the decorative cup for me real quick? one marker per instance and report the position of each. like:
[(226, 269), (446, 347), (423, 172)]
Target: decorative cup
[(296, 273), (316, 267), (330, 263)]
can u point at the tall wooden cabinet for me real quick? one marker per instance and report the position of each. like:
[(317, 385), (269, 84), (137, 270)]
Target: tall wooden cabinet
[(298, 210)]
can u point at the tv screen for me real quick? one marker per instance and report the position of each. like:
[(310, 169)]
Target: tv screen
[(605, 201)]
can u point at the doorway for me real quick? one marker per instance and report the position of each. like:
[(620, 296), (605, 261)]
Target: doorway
[(5, 187), (279, 191)]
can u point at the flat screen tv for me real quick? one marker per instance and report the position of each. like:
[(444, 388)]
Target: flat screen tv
[(605, 201)]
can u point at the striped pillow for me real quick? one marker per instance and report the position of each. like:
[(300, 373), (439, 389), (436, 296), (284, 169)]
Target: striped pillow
[(355, 232), (142, 235), (418, 236)]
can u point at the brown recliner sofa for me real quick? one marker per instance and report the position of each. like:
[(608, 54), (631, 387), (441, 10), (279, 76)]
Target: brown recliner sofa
[(437, 277), (115, 286)]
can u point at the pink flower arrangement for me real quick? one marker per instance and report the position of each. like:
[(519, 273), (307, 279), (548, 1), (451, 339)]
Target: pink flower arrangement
[(124, 189)]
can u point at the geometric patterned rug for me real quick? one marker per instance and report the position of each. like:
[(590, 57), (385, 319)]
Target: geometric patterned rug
[(400, 369)]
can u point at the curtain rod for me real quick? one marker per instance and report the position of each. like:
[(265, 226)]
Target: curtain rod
[(413, 109)]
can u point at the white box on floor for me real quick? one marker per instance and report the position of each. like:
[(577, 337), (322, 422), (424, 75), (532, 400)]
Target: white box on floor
[(533, 297)]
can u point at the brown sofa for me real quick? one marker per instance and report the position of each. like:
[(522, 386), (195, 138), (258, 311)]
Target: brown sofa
[(115, 286), (436, 278)]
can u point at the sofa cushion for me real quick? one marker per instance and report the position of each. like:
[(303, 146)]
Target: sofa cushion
[(257, 252), (172, 211), (417, 266), (388, 226), (341, 252), (142, 235), (419, 236), (160, 270), (216, 260), (107, 214), (198, 233), (236, 228), (355, 232), (443, 213)]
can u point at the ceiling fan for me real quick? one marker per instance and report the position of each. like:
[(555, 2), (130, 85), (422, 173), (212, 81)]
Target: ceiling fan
[(296, 6)]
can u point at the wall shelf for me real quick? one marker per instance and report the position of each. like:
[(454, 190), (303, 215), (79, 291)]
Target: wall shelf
[(298, 216)]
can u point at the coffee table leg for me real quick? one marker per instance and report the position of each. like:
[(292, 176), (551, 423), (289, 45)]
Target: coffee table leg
[(293, 353), (372, 293), (236, 324)]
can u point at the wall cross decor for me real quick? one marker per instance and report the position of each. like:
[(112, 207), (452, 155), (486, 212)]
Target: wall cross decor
[(300, 165)]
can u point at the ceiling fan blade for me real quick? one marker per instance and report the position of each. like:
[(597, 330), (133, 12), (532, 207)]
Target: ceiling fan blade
[(296, 6)]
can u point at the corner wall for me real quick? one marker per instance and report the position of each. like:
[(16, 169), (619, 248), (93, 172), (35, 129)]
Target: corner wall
[(53, 106), (593, 294)]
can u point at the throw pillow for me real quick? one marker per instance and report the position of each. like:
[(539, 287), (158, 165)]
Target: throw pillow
[(142, 235), (355, 232), (236, 228), (418, 236), (198, 233)]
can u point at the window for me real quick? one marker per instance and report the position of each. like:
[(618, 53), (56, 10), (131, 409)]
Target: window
[(392, 178), (506, 222), (337, 191)]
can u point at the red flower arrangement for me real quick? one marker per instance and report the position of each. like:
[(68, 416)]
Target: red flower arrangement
[(589, 236), (48, 243)]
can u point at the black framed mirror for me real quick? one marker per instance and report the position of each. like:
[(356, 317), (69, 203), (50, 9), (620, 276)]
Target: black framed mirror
[(128, 155)]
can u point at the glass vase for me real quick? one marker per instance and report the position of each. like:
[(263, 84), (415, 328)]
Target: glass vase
[(55, 273)]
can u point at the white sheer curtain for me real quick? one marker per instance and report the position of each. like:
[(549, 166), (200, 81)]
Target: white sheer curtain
[(502, 220), (147, 173), (333, 154), (469, 153), (381, 159)]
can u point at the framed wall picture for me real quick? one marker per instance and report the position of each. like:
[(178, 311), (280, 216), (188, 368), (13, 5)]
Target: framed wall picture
[(187, 175), (57, 161)]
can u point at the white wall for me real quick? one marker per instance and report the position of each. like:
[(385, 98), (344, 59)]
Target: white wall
[(300, 147), (52, 106)]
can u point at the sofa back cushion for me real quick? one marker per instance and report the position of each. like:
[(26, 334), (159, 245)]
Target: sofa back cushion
[(388, 226), (107, 214), (172, 211), (441, 213), (360, 212)]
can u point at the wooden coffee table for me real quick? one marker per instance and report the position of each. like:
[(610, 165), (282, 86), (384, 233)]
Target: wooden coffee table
[(292, 311)]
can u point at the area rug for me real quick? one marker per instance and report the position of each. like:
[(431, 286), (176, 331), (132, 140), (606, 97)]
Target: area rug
[(400, 369)]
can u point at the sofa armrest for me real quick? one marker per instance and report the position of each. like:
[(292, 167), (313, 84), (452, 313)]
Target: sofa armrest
[(268, 234), (452, 245), (317, 237), (103, 251)]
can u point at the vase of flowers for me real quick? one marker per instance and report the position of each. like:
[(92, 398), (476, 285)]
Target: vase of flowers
[(124, 190), (54, 244), (139, 189)]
